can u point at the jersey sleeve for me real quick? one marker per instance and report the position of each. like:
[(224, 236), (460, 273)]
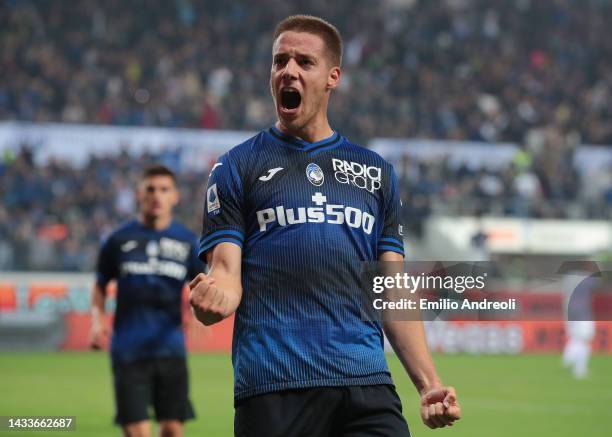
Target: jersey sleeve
[(223, 207), (391, 238), (106, 267)]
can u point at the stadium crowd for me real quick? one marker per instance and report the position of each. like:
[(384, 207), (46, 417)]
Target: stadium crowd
[(448, 69), (46, 223), (536, 73)]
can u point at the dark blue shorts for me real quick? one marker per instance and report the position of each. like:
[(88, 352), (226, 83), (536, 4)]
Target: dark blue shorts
[(356, 411), (162, 383)]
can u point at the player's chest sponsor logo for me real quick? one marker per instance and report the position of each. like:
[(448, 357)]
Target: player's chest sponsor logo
[(270, 174), (359, 175), (213, 204), (322, 212), (173, 252), (155, 266), (315, 174), (165, 247)]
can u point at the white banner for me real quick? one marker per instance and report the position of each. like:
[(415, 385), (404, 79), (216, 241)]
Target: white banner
[(476, 155), (75, 143), (524, 236)]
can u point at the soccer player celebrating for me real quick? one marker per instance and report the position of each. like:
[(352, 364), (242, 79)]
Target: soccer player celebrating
[(151, 259), (289, 218)]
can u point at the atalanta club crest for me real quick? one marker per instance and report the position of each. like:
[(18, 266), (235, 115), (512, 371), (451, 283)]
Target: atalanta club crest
[(315, 174), (152, 249)]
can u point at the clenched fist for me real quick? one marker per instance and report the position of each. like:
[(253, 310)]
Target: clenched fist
[(210, 305), (439, 407), (99, 335)]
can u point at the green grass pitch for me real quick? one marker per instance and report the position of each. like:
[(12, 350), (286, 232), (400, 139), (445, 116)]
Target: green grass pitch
[(501, 395)]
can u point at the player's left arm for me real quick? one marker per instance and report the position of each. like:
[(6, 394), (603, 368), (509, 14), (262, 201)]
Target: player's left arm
[(439, 406)]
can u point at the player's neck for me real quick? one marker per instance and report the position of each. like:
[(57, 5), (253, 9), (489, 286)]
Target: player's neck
[(313, 132), (157, 223)]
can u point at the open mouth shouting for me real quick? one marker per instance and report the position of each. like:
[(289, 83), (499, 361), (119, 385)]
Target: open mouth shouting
[(290, 100)]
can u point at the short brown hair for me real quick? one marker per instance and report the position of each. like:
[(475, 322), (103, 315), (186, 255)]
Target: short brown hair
[(158, 170), (317, 26)]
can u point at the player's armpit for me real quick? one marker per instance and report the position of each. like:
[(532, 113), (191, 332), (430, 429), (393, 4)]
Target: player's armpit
[(217, 295)]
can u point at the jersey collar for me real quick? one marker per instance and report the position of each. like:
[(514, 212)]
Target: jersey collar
[(297, 143)]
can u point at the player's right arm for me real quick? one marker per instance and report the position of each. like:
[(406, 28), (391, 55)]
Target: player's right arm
[(99, 329), (215, 296), (106, 271)]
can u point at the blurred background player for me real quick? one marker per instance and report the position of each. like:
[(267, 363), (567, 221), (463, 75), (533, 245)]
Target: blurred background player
[(579, 283), (290, 216), (150, 258)]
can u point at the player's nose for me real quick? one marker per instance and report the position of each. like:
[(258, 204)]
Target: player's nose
[(157, 195), (290, 70)]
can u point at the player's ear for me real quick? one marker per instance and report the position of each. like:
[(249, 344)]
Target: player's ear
[(333, 78), (174, 194), (176, 198), (139, 191)]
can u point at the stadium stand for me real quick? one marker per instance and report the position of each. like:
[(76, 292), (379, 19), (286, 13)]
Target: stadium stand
[(454, 69)]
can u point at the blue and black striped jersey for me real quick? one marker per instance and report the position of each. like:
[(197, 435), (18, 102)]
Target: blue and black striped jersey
[(151, 268), (306, 215)]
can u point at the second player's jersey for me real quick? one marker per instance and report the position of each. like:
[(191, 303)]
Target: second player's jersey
[(307, 215), (151, 268)]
